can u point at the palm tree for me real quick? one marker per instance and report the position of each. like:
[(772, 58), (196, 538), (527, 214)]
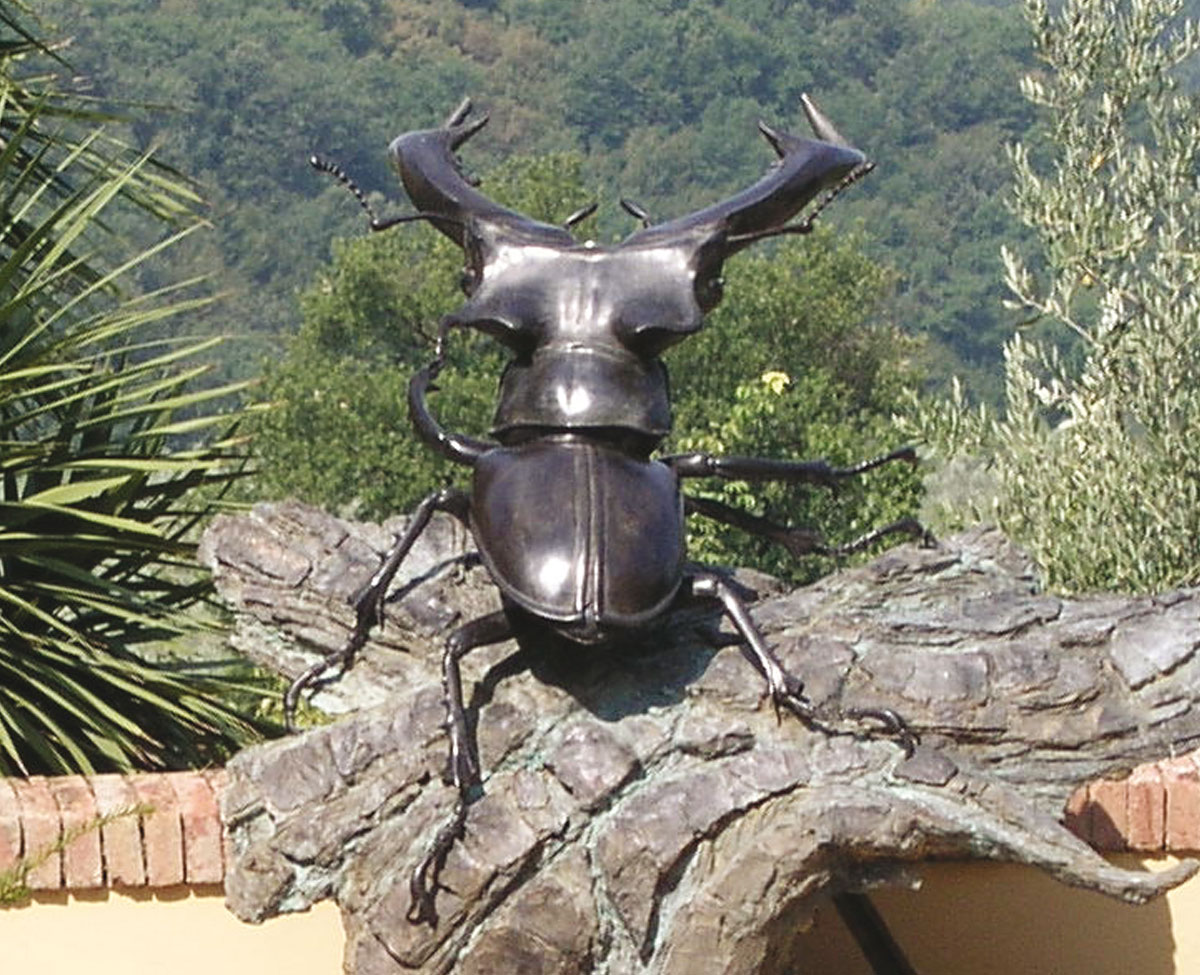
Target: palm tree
[(110, 455)]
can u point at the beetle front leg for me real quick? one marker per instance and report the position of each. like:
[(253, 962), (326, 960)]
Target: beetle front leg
[(453, 446), (368, 599), (787, 690), (464, 761)]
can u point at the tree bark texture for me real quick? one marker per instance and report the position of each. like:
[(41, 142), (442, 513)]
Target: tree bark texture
[(644, 809)]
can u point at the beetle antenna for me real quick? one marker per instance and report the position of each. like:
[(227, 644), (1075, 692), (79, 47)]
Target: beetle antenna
[(805, 226), (635, 211), (336, 171)]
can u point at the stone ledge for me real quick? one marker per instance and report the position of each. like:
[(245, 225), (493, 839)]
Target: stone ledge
[(1155, 810)]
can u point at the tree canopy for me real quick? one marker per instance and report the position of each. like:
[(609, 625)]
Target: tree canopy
[(1095, 458), (658, 99)]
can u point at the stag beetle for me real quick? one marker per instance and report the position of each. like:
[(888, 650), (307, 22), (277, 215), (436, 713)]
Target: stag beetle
[(581, 530)]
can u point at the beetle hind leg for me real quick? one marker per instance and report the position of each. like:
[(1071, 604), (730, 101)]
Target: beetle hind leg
[(787, 690), (368, 600), (464, 762), (801, 541)]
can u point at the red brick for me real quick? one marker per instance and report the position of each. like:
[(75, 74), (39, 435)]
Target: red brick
[(42, 830), (120, 838), (217, 777), (1077, 816), (10, 826), (1146, 809), (1110, 824), (1181, 780), (77, 812), (202, 860), (162, 832)]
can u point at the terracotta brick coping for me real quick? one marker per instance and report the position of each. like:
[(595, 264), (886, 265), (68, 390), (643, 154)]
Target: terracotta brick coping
[(1156, 809), (157, 830), (173, 834)]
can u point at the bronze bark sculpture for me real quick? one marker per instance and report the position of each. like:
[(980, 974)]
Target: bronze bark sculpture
[(643, 809), (580, 525), (648, 812)]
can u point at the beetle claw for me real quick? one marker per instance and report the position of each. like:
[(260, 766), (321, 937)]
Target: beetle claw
[(798, 705), (423, 884), (893, 725)]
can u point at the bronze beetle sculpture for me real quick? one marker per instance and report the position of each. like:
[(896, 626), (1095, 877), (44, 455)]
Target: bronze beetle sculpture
[(583, 404)]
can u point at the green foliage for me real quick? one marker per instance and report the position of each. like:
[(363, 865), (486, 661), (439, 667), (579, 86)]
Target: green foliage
[(773, 416), (807, 304), (1096, 462), (102, 465), (805, 372), (659, 97), (339, 433), (240, 94)]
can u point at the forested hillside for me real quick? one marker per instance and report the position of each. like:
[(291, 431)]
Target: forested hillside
[(826, 345), (658, 97)]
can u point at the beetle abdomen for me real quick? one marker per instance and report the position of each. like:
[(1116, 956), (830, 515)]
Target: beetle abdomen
[(576, 531)]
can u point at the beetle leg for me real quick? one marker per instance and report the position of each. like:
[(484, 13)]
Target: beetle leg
[(492, 628), (787, 690), (453, 446), (800, 541), (464, 764), (765, 469), (901, 526), (368, 600)]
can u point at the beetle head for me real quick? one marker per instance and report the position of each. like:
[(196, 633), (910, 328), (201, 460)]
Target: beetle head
[(531, 284)]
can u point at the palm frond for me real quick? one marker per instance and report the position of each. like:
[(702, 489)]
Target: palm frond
[(111, 452)]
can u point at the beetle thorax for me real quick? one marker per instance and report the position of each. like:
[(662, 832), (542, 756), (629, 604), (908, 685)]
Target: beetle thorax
[(586, 324), (640, 299)]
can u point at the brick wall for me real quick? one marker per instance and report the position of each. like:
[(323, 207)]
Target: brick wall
[(174, 837), (1155, 810)]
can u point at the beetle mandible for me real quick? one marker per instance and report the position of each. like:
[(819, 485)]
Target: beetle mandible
[(583, 404)]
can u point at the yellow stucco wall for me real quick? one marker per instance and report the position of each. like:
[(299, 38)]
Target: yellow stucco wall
[(999, 919), (170, 931), (968, 919)]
